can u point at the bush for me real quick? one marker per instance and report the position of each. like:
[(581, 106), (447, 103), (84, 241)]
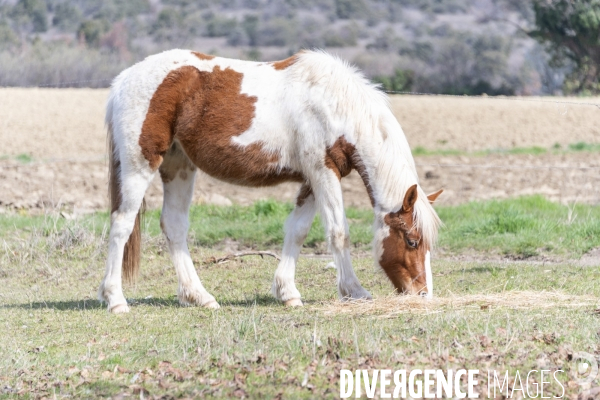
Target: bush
[(168, 18), (91, 31), (401, 81), (48, 63), (32, 12), (8, 38), (346, 9), (250, 26), (66, 16), (387, 41), (342, 37), (277, 32), (218, 26)]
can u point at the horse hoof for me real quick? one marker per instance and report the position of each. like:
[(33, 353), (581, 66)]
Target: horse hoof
[(120, 309), (293, 303), (212, 304)]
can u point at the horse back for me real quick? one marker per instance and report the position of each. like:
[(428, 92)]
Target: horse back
[(226, 115)]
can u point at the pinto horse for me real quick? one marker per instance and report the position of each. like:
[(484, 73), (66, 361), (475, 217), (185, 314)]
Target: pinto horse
[(311, 118)]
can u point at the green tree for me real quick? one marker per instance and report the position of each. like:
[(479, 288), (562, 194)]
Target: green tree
[(570, 29), (91, 31), (66, 16), (401, 81), (33, 11)]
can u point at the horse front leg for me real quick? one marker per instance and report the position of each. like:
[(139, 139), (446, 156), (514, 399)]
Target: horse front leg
[(296, 228), (178, 175), (328, 195)]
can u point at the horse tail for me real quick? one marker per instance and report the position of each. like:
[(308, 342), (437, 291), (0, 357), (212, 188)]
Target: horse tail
[(132, 250)]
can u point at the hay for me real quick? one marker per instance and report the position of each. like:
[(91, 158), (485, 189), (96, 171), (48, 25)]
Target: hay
[(390, 306)]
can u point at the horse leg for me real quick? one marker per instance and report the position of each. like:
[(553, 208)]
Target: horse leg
[(133, 187), (328, 195), (178, 174), (296, 228)]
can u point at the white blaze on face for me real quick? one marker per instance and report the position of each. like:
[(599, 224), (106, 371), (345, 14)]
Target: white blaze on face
[(428, 275)]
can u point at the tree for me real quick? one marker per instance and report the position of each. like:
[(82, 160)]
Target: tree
[(570, 29), (32, 11)]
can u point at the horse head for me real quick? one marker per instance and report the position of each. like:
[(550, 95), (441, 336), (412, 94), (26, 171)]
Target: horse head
[(405, 255)]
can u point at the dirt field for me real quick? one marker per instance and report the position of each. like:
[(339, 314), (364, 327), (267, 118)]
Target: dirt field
[(53, 151)]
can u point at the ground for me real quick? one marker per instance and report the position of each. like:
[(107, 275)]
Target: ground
[(515, 278), (54, 151)]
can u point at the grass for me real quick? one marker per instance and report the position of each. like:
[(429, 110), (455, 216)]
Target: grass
[(533, 150), (522, 227), (486, 315), (24, 158), (518, 228), (64, 342)]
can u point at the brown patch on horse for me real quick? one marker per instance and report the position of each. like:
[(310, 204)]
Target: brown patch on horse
[(342, 157), (403, 264), (204, 111), (202, 56), (283, 64), (303, 194)]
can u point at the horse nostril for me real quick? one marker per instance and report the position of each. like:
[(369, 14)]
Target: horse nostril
[(423, 293)]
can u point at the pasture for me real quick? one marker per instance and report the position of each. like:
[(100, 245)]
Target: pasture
[(516, 271), (487, 314)]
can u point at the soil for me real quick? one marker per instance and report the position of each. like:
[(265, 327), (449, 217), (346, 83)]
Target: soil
[(59, 137)]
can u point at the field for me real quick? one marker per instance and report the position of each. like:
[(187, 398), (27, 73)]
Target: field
[(516, 272)]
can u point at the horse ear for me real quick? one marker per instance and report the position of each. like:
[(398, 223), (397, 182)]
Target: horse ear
[(433, 196), (410, 198)]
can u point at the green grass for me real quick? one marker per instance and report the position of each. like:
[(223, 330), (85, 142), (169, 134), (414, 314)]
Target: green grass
[(24, 158), (583, 146), (61, 342), (519, 228), (533, 150)]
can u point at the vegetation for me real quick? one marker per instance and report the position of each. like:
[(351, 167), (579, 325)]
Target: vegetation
[(570, 29), (423, 46), (488, 316), (515, 228), (534, 150)]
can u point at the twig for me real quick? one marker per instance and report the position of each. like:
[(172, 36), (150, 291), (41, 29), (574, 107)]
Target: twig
[(231, 256)]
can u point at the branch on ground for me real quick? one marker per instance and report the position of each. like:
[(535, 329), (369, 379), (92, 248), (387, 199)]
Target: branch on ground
[(231, 256)]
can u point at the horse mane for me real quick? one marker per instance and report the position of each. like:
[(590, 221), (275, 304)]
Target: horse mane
[(363, 109)]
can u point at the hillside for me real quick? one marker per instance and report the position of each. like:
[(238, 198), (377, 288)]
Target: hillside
[(441, 46)]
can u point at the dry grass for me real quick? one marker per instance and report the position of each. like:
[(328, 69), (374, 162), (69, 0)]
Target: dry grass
[(391, 306)]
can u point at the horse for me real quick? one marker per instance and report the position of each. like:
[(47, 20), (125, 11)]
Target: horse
[(311, 118)]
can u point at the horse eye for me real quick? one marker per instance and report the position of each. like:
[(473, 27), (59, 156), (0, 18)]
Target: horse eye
[(412, 243)]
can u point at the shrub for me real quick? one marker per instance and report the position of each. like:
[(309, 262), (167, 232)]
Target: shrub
[(342, 37), (218, 26), (66, 16), (346, 9), (32, 12), (91, 31), (401, 81)]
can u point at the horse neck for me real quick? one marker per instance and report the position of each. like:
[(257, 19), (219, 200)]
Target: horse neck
[(388, 166)]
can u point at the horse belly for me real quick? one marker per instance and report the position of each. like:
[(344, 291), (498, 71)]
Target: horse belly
[(247, 165)]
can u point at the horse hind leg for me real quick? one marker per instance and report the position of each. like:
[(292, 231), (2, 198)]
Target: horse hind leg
[(296, 228), (177, 173), (128, 186)]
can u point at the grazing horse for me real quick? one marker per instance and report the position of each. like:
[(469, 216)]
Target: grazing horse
[(311, 118)]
